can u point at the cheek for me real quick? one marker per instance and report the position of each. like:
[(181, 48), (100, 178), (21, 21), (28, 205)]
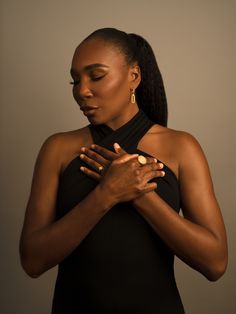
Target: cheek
[(76, 95), (114, 89)]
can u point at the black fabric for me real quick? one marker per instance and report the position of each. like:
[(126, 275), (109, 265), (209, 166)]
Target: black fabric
[(122, 266)]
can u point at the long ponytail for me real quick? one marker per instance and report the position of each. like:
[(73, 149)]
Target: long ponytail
[(151, 96)]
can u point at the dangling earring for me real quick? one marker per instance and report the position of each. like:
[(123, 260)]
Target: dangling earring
[(133, 100)]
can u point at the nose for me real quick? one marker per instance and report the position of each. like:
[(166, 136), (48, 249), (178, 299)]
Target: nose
[(82, 91)]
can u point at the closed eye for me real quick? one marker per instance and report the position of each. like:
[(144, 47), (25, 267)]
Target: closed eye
[(97, 78), (93, 78)]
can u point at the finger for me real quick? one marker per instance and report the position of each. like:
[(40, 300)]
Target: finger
[(150, 187), (92, 174), (152, 166), (104, 152), (118, 149), (126, 158), (153, 170), (153, 174), (95, 165), (95, 156)]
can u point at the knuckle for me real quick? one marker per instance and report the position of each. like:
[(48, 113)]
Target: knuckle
[(156, 173), (153, 166), (115, 162), (137, 172), (93, 154), (139, 188)]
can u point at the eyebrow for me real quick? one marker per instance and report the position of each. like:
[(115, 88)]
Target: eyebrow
[(90, 67)]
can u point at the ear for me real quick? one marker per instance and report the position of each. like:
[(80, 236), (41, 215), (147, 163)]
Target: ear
[(135, 76)]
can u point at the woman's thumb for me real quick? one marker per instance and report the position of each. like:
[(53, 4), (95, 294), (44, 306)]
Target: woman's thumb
[(118, 149)]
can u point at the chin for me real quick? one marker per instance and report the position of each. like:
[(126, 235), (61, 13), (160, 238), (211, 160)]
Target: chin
[(95, 121)]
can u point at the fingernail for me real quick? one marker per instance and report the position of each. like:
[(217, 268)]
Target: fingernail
[(116, 145), (93, 146), (81, 156), (155, 160), (82, 149), (82, 168), (161, 165), (163, 173)]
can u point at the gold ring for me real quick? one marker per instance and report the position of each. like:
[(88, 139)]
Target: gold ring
[(142, 160)]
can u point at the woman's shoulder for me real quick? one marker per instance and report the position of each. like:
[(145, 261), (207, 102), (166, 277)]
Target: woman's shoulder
[(174, 147), (64, 146), (64, 140), (179, 139)]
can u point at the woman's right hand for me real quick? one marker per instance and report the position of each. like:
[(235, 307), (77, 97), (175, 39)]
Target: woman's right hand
[(125, 179)]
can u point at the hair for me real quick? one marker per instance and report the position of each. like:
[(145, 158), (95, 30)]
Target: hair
[(150, 93)]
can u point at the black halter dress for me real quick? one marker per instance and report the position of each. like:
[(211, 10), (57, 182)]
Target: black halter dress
[(122, 266)]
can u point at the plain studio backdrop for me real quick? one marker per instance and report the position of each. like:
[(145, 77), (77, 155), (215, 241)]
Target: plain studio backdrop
[(194, 42)]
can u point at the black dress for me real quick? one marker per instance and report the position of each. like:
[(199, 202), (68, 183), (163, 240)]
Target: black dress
[(122, 266)]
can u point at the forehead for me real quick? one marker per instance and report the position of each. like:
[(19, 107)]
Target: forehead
[(96, 51)]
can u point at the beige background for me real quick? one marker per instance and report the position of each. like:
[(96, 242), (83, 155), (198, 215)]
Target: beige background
[(194, 42)]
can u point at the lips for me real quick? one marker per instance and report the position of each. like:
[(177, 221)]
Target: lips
[(88, 110)]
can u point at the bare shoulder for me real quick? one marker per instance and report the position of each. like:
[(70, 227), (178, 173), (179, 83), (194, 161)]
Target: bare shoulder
[(178, 136), (173, 147), (192, 162), (188, 150), (63, 146), (66, 141), (180, 141)]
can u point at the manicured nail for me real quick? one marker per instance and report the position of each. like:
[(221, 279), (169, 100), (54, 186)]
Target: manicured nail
[(163, 173), (161, 165), (116, 145), (155, 160), (81, 156)]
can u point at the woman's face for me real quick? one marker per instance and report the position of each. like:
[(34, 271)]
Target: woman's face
[(103, 82)]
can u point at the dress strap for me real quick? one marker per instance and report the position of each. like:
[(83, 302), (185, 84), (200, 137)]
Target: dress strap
[(127, 136)]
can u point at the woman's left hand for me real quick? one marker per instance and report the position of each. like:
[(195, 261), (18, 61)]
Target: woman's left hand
[(99, 159)]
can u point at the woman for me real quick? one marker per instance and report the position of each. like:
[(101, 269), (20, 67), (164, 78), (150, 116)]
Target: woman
[(105, 199)]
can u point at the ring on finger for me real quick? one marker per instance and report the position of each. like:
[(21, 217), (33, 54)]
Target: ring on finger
[(100, 169), (142, 160)]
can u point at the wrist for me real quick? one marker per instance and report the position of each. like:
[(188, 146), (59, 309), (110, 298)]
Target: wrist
[(105, 198), (142, 198)]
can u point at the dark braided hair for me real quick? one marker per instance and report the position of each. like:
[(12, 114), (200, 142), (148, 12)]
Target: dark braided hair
[(150, 94)]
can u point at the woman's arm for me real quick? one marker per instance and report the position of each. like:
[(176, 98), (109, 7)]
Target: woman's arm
[(198, 238), (45, 242)]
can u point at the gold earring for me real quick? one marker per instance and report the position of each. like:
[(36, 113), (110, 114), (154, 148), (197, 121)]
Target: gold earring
[(133, 100)]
